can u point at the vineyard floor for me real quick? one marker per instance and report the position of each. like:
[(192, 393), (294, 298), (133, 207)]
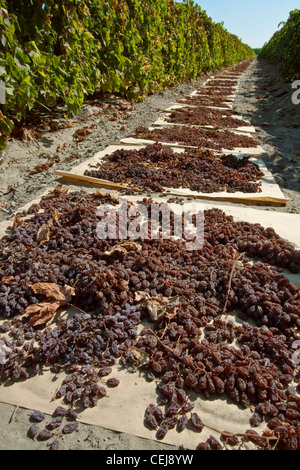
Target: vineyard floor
[(267, 103), (28, 166), (98, 124), (28, 169)]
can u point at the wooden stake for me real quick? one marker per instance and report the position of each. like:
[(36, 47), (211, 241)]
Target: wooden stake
[(82, 179)]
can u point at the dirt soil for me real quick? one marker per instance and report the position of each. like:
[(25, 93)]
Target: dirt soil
[(28, 169), (267, 102)]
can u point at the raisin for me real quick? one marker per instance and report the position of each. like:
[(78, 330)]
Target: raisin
[(33, 430), (55, 423), (54, 445), (44, 435), (70, 428), (112, 382), (197, 422), (60, 411), (214, 443), (182, 423), (37, 416)]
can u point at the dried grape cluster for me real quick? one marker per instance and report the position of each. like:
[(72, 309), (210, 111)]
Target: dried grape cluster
[(204, 101), (211, 96), (222, 83), (239, 68), (202, 116), (191, 347), (214, 92), (226, 91), (197, 137), (156, 167)]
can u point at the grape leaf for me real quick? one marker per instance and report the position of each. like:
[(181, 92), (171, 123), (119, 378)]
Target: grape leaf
[(159, 307), (44, 312), (49, 290)]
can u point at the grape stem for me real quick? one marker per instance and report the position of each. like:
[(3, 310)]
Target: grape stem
[(230, 281), (245, 435)]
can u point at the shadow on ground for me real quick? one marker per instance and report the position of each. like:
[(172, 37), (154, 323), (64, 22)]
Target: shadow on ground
[(266, 101)]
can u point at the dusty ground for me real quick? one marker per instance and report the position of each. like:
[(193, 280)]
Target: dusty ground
[(263, 99), (267, 103)]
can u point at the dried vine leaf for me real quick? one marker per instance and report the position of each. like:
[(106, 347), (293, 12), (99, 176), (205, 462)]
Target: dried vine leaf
[(50, 290), (68, 292), (43, 312), (56, 192), (130, 246), (159, 307), (81, 134), (113, 195), (138, 357), (123, 247), (6, 280), (99, 193), (43, 234), (41, 168), (55, 215), (17, 222)]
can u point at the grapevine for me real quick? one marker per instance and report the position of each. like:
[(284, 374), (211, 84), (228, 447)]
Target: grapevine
[(60, 53), (284, 47)]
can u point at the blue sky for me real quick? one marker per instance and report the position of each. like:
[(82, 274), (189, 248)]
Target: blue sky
[(254, 21)]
